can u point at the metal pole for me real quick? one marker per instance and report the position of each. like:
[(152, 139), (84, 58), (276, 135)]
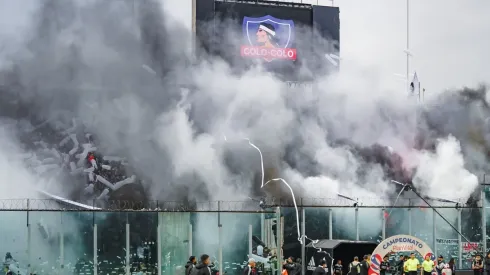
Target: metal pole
[(434, 230), (262, 227), (330, 225), (127, 247), (250, 240), (95, 249), (408, 47), (383, 234), (159, 244), (357, 223), (220, 240), (303, 239), (29, 235), (62, 246), (460, 248), (483, 219), (190, 239), (410, 221), (279, 241), (194, 47)]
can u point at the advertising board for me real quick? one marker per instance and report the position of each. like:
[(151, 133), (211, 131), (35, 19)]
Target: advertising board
[(395, 244), (269, 34)]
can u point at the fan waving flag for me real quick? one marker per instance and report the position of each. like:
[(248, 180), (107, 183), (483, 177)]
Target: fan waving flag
[(415, 85)]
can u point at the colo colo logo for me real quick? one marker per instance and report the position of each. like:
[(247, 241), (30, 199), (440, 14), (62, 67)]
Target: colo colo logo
[(268, 38)]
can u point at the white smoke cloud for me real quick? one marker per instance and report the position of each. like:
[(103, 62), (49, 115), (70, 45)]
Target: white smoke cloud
[(443, 175), (18, 184), (171, 136), (15, 172)]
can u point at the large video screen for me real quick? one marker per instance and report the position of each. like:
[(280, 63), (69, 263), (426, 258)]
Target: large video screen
[(268, 32), (278, 35)]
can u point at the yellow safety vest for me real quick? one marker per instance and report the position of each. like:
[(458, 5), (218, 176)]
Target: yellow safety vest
[(411, 265), (428, 265)]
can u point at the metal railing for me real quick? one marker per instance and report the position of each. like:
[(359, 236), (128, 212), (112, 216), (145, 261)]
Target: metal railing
[(260, 205)]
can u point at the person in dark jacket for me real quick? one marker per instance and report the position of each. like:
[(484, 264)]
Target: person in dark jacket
[(487, 263), (290, 266), (190, 265), (399, 265), (452, 266), (384, 266), (364, 266), (298, 266), (203, 267), (321, 269)]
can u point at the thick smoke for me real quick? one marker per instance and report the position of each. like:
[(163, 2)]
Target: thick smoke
[(126, 75)]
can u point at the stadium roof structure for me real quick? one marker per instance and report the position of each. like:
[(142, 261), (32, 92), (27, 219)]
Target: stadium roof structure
[(270, 3)]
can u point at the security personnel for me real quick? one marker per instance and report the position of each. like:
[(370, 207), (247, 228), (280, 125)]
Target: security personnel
[(412, 265), (427, 266), (384, 266)]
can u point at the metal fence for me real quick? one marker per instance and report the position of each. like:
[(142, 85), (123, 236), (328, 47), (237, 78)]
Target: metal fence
[(56, 237)]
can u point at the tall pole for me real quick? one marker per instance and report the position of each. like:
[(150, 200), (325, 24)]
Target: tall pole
[(62, 246), (357, 223), (250, 241), (128, 248), (409, 220), (262, 227), (408, 47), (279, 241), (29, 248), (330, 224), (220, 240), (383, 232), (460, 247), (483, 219), (434, 231), (95, 250), (303, 239), (159, 243), (190, 240)]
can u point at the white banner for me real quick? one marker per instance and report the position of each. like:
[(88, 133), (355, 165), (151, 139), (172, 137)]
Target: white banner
[(447, 241)]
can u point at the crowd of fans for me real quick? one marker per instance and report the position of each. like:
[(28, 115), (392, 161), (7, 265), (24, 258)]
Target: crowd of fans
[(407, 265), (203, 267)]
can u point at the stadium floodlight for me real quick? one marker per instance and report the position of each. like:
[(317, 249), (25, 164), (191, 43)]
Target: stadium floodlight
[(356, 202), (426, 197), (399, 183), (432, 207)]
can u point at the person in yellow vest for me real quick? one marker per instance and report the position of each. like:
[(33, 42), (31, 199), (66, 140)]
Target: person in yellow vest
[(412, 265), (427, 266)]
